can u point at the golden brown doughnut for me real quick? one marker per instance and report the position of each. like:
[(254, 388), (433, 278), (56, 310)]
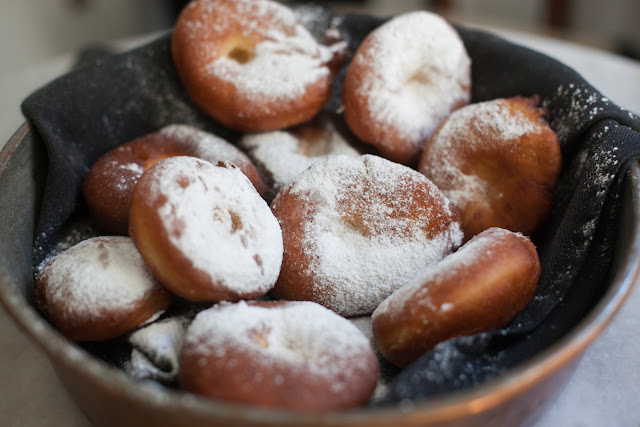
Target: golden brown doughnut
[(404, 80), (108, 185), (99, 289), (278, 354), (204, 231), (355, 229), (498, 162), (250, 64), (480, 287)]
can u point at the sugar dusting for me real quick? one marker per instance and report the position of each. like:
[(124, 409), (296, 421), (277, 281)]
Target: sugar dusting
[(96, 275), (156, 349), (217, 219), (285, 61), (415, 294), (205, 145), (281, 156), (283, 66), (454, 140), (420, 73), (358, 262), (121, 176), (302, 334), (584, 105)]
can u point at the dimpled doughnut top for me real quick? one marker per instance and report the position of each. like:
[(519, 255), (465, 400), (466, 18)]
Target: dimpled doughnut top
[(358, 228), (204, 231), (296, 355), (99, 289), (498, 162), (405, 78), (250, 64), (98, 274)]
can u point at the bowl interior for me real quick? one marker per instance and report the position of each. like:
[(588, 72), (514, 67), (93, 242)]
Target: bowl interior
[(23, 172)]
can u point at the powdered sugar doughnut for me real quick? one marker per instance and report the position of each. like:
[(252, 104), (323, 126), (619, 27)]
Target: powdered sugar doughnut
[(99, 289), (108, 185), (355, 229), (204, 231), (498, 162), (481, 287), (250, 64), (282, 155), (404, 80), (278, 354)]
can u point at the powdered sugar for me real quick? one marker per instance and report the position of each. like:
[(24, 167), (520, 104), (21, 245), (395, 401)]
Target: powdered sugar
[(491, 123), (205, 145), (156, 349), (277, 71), (97, 275), (218, 221), (420, 72), (415, 294), (282, 58), (364, 239), (304, 335), (570, 117), (126, 163), (282, 156)]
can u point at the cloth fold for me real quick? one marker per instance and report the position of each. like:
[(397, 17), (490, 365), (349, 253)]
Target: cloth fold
[(117, 98)]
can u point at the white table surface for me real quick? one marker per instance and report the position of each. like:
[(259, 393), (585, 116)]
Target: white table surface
[(603, 392)]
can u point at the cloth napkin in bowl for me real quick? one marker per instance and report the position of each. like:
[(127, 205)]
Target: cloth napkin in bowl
[(120, 97)]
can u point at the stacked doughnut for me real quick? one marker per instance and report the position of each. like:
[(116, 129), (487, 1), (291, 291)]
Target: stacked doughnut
[(426, 231), (281, 155), (108, 185)]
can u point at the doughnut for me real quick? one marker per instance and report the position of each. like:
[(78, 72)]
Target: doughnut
[(204, 231), (498, 162), (108, 185), (99, 289), (251, 65), (281, 155), (355, 229), (294, 355), (480, 287), (404, 79)]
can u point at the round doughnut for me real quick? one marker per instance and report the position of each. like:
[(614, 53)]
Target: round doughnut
[(108, 185), (405, 78), (99, 289), (480, 287), (355, 229), (278, 354), (498, 162), (204, 231), (250, 64), (281, 155)]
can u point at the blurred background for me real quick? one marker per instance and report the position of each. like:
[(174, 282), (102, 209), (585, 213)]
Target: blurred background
[(32, 31)]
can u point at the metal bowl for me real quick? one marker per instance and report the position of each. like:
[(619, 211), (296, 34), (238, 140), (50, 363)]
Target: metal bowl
[(108, 397)]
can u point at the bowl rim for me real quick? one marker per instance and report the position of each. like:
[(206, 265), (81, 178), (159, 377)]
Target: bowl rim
[(450, 406)]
